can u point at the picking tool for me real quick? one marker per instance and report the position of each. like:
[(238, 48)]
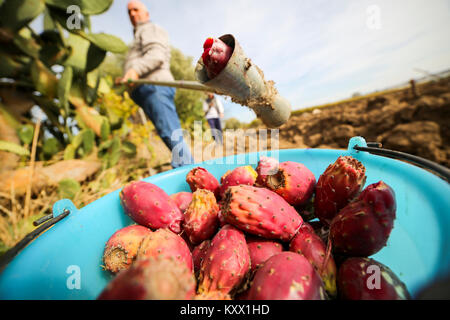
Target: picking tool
[(243, 81)]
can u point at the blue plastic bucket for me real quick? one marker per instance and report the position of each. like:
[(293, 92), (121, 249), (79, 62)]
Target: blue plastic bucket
[(65, 261)]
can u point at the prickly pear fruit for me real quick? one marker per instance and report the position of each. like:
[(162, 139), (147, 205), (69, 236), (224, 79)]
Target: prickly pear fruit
[(240, 175), (260, 250), (260, 212), (222, 220), (151, 279), (363, 227), (150, 206), (226, 263), (182, 199), (200, 178), (122, 247), (341, 182), (199, 253), (165, 243), (307, 243), (368, 279), (287, 276), (215, 56), (293, 181), (201, 217), (266, 166)]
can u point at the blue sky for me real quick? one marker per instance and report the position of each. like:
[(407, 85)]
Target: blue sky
[(316, 51)]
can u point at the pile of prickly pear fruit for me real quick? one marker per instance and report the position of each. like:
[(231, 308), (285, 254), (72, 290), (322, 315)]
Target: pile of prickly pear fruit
[(272, 232)]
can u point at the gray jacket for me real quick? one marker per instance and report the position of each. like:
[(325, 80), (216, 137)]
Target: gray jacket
[(149, 54)]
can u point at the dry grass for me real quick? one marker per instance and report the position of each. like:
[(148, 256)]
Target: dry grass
[(15, 222)]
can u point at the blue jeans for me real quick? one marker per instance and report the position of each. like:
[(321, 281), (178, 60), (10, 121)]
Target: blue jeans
[(158, 104), (216, 128)]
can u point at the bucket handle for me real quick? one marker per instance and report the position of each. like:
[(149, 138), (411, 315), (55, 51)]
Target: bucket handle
[(44, 223), (376, 148)]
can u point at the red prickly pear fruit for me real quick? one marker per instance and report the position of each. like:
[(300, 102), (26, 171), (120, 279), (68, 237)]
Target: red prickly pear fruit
[(213, 295), (260, 212), (199, 253), (226, 262), (341, 182), (184, 236), (367, 279), (122, 247), (215, 56), (200, 178), (150, 206), (308, 244), (266, 166), (306, 226), (182, 199), (382, 199), (363, 227), (201, 219), (151, 279), (260, 250), (293, 181), (222, 220), (287, 276), (165, 243), (244, 175)]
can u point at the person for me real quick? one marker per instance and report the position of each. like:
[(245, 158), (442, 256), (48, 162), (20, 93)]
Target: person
[(213, 109), (149, 58)]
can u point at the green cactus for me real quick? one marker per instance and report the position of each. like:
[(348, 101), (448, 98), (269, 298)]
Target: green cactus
[(105, 129), (87, 7), (64, 85), (69, 152), (68, 188), (16, 14), (110, 152), (26, 133), (65, 93), (88, 141), (13, 148), (129, 149), (44, 79), (106, 42), (50, 148)]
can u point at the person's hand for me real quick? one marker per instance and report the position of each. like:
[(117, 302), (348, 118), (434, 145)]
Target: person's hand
[(130, 74), (221, 115), (118, 80)]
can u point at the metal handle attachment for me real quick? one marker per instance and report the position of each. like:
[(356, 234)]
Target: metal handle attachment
[(375, 148), (44, 223)]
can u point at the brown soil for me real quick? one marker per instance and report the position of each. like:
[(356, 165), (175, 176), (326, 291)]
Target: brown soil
[(419, 125)]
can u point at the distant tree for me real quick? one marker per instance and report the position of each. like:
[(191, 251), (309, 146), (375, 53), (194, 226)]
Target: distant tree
[(233, 123)]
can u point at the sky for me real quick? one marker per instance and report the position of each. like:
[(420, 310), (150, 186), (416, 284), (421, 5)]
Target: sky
[(316, 51)]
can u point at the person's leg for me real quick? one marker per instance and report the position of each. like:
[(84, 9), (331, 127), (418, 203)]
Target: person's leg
[(212, 125), (216, 129), (159, 106), (218, 126)]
